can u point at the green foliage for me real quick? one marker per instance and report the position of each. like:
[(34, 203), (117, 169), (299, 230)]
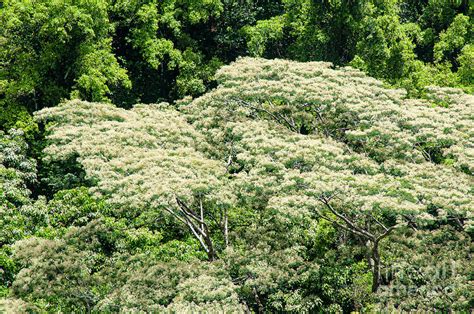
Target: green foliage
[(102, 51), (155, 41), (386, 45), (70, 43), (169, 286), (237, 16), (337, 186), (14, 116), (264, 32), (74, 207), (424, 271), (453, 39), (99, 70), (283, 188), (7, 269), (182, 250), (17, 171), (466, 65), (406, 43)]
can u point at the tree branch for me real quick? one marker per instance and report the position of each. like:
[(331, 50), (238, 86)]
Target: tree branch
[(278, 118), (345, 219), (340, 225), (378, 222)]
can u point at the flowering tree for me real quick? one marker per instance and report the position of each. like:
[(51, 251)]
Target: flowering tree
[(301, 140), (148, 157), (340, 145)]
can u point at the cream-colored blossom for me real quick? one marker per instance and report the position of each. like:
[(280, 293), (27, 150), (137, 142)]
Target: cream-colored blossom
[(276, 130)]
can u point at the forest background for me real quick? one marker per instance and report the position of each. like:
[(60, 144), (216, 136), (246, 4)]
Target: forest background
[(127, 52)]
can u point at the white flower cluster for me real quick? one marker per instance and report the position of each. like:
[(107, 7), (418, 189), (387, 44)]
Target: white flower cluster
[(144, 157), (376, 150), (344, 103), (285, 135)]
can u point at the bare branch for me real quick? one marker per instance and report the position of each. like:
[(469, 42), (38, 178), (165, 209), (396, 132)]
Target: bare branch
[(277, 117), (387, 232), (351, 224), (291, 125), (339, 225), (187, 211), (175, 215), (200, 237)]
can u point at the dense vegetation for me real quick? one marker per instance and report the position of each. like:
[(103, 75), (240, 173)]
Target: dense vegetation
[(155, 156)]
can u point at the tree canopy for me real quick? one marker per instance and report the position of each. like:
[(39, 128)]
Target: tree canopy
[(278, 149), (236, 156)]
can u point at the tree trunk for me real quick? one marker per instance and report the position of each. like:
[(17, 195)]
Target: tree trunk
[(211, 253), (369, 253), (197, 225), (375, 267), (201, 209), (364, 233), (226, 228), (257, 300)]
